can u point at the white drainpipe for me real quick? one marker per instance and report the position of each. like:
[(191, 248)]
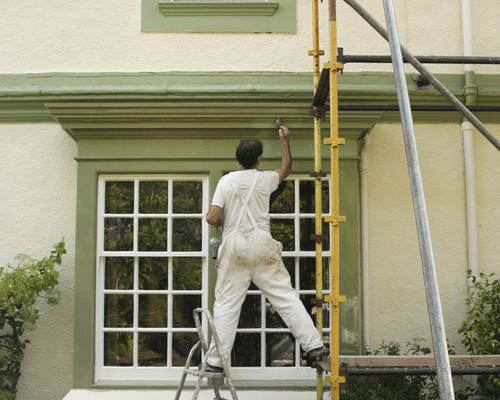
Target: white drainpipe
[(365, 270), (468, 142)]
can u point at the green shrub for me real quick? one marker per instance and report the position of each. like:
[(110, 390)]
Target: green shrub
[(20, 287), (481, 328)]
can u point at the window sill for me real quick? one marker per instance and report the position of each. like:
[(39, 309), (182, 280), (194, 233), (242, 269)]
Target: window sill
[(217, 9)]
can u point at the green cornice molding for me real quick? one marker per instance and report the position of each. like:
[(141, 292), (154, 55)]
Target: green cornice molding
[(217, 8), (155, 104), (195, 120)]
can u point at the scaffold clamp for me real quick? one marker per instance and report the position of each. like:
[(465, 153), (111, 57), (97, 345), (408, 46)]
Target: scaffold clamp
[(318, 175), (335, 142), (335, 221), (319, 238)]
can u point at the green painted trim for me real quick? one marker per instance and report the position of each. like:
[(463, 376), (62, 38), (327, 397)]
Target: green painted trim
[(118, 161), (216, 8), (219, 16), (23, 97)]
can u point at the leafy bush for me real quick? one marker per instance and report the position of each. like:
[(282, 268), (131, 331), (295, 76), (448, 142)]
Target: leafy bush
[(481, 328), (392, 388), (20, 287)]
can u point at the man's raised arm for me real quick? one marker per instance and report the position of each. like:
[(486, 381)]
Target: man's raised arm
[(286, 159)]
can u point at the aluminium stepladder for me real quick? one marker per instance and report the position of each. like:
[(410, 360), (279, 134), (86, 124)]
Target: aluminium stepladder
[(214, 377)]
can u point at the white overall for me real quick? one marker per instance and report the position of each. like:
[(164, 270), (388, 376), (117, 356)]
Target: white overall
[(255, 258)]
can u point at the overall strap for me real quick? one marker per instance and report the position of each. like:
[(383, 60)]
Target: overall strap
[(245, 205)]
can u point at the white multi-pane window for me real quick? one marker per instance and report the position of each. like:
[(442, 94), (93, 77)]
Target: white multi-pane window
[(151, 273), (264, 347)]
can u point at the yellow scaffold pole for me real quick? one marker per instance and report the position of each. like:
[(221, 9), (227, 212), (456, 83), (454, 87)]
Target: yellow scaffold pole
[(335, 219), (316, 53)]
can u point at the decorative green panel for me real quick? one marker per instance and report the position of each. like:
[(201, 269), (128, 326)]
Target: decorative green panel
[(217, 16), (217, 8)]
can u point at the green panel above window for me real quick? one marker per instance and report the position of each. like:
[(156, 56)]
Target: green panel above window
[(219, 16)]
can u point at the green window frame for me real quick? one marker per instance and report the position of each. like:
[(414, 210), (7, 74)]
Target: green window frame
[(257, 16)]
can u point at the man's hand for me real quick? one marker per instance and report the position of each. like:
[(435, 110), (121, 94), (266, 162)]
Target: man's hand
[(284, 134)]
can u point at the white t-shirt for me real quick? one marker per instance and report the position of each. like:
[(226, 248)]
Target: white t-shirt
[(225, 196)]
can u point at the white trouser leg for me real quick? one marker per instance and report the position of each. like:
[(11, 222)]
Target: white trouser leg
[(231, 288), (274, 282)]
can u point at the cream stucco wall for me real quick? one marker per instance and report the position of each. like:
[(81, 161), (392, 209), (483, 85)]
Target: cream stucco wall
[(105, 36), (37, 210), (396, 281)]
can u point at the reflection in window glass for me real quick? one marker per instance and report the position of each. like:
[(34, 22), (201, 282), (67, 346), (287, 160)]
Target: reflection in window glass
[(187, 197), (187, 273), (251, 312), (307, 197), (153, 197), (280, 350), (307, 270), (153, 273), (186, 234), (285, 202), (118, 349), (247, 348), (118, 234), (119, 273), (283, 230), (118, 310), (119, 197), (153, 349), (182, 343), (153, 310), (153, 234), (183, 310)]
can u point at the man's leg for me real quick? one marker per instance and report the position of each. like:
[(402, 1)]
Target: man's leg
[(230, 292), (274, 282)]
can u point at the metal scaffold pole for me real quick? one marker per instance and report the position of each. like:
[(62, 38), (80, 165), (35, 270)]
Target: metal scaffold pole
[(445, 382), (334, 219), (427, 74), (316, 53)]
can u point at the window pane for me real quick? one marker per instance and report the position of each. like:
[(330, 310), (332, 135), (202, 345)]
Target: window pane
[(119, 197), (118, 310), (285, 202), (308, 273), (153, 273), (246, 352), (250, 316), (118, 234), (118, 348), (153, 234), (308, 197), (187, 197), (153, 349), (187, 273), (182, 342), (186, 234), (119, 273), (280, 350), (183, 310), (308, 228), (283, 230), (153, 197), (153, 310)]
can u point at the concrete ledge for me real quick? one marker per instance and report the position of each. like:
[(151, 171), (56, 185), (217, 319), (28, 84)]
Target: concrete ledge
[(205, 394)]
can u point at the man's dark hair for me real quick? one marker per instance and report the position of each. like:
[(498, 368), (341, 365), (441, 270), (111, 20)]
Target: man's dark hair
[(248, 151)]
